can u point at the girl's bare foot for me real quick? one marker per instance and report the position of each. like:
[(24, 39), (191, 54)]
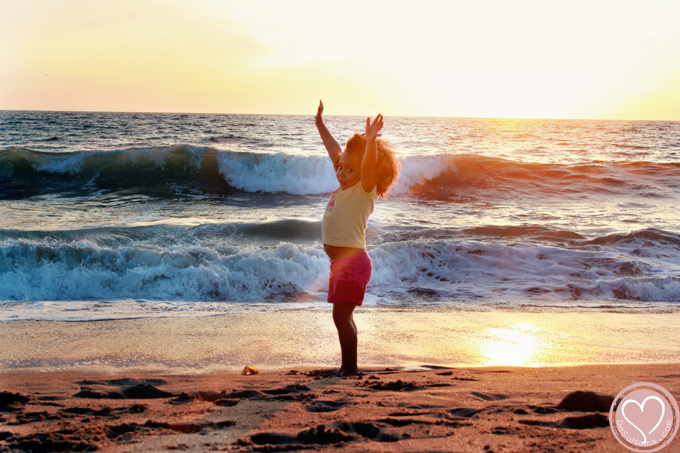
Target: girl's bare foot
[(343, 373)]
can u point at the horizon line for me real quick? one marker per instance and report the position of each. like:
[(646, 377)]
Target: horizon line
[(330, 115)]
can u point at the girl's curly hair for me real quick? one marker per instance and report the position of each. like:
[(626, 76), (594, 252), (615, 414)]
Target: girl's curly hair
[(388, 165)]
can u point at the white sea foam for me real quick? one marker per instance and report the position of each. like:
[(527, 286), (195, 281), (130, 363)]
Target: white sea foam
[(78, 310), (450, 269), (299, 175), (415, 271), (304, 175), (88, 272), (648, 289), (418, 169)]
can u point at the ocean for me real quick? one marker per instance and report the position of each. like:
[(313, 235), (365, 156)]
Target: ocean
[(137, 215)]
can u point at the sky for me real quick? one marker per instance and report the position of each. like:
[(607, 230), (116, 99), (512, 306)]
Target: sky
[(501, 59)]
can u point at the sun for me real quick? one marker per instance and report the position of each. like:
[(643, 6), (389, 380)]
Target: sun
[(517, 345)]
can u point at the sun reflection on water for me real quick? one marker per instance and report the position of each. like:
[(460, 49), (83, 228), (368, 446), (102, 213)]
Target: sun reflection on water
[(516, 345)]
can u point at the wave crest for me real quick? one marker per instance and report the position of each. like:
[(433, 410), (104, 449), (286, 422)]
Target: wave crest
[(112, 265), (174, 169)]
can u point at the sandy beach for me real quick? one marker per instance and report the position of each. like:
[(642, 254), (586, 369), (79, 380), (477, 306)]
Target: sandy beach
[(433, 380), (483, 409)]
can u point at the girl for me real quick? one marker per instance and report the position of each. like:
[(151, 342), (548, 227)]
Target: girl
[(365, 170)]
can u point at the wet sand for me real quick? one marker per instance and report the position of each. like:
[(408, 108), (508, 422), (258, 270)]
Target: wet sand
[(387, 337)]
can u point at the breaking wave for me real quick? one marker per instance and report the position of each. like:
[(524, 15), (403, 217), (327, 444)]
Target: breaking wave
[(168, 171), (200, 265)]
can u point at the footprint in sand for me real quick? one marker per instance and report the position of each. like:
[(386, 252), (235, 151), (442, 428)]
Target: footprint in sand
[(465, 412), (313, 436), (327, 406), (344, 432), (589, 421), (490, 396)]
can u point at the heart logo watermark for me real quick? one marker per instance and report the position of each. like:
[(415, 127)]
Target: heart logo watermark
[(641, 417), (644, 417)]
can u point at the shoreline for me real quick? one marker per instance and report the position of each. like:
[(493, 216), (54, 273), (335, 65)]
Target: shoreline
[(388, 337), (490, 409)]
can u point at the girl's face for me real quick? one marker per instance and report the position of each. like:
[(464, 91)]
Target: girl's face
[(348, 170)]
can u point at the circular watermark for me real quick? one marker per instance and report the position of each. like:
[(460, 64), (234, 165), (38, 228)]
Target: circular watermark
[(644, 417)]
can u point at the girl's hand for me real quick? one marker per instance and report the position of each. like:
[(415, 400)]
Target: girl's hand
[(372, 129), (329, 142), (319, 114)]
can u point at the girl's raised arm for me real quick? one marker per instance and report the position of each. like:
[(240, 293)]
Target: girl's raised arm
[(332, 146), (370, 159)]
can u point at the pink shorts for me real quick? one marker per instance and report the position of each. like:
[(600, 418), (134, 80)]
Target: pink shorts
[(349, 279)]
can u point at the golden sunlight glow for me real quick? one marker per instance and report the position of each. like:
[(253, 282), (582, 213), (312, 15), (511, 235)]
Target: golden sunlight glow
[(517, 345), (529, 58)]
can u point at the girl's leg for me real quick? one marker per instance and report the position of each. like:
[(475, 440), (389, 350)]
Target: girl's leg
[(347, 332)]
